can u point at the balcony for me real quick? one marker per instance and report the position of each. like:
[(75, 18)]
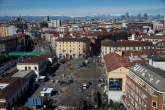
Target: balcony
[(126, 101)]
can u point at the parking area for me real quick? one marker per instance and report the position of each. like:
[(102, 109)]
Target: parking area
[(73, 83)]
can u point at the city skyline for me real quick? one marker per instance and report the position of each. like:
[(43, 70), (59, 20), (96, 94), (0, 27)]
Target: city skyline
[(80, 8)]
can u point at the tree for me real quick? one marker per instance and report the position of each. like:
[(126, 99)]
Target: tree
[(26, 108), (2, 59)]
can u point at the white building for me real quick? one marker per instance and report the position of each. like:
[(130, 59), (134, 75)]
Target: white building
[(62, 29), (12, 30), (36, 63), (54, 23), (75, 28)]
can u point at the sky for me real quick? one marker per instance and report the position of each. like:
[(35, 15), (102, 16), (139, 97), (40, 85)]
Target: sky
[(80, 8)]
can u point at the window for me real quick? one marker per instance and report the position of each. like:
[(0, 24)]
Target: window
[(25, 68), (164, 97), (29, 68), (35, 68), (154, 104)]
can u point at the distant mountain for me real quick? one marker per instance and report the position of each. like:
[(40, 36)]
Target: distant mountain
[(71, 18), (53, 17)]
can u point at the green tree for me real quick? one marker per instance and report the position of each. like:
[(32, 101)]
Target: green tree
[(26, 108), (2, 59), (115, 105)]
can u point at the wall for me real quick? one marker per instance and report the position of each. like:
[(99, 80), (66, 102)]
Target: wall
[(117, 73), (22, 67), (136, 87), (72, 48), (158, 64), (11, 30), (4, 31)]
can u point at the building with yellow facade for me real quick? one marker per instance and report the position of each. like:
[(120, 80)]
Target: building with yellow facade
[(7, 31), (116, 68), (72, 47), (110, 46)]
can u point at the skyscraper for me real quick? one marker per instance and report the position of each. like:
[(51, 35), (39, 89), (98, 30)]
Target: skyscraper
[(47, 18), (145, 16), (126, 15), (139, 16), (54, 23)]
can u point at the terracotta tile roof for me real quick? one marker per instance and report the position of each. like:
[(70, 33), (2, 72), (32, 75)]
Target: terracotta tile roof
[(125, 43), (159, 52), (20, 35), (7, 38), (35, 59), (137, 53), (141, 61), (114, 61), (153, 37), (69, 39), (162, 42), (52, 32), (14, 83)]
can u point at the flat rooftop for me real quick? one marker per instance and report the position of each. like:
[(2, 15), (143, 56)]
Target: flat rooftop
[(22, 74)]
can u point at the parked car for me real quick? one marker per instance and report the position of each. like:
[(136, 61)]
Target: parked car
[(84, 86)]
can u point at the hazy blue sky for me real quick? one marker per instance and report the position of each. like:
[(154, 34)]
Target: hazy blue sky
[(80, 7)]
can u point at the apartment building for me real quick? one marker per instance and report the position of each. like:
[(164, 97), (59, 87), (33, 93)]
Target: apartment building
[(116, 68), (12, 90), (7, 44), (145, 88), (7, 31), (138, 25), (109, 46), (158, 27), (72, 47), (50, 36), (62, 29), (154, 39), (54, 23), (12, 43)]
